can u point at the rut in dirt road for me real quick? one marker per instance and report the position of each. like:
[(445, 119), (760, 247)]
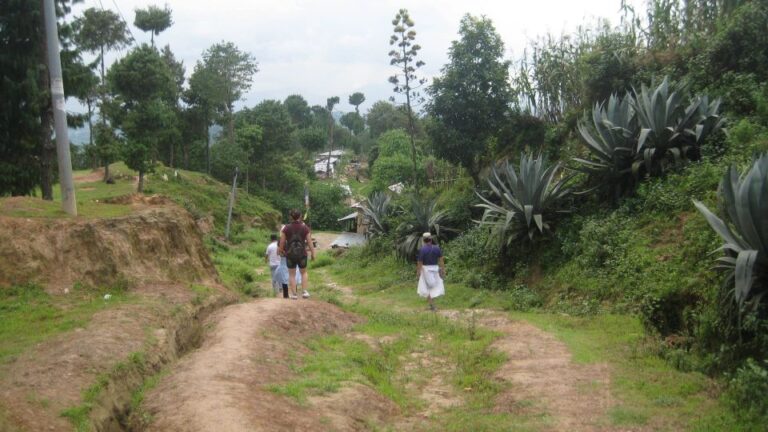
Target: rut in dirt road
[(223, 386)]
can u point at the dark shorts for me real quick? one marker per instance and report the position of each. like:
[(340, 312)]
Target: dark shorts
[(302, 263)]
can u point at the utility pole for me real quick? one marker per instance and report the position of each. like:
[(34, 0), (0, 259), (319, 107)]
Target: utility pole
[(68, 202)]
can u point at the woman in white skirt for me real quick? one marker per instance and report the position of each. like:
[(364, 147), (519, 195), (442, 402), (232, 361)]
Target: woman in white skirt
[(430, 269)]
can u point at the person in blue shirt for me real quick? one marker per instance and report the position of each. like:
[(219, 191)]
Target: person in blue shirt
[(430, 268)]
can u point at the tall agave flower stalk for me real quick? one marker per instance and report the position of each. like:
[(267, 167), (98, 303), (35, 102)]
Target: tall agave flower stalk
[(528, 198), (745, 232)]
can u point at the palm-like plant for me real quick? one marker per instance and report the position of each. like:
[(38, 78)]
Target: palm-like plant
[(745, 232), (376, 210), (422, 216), (526, 198), (611, 141)]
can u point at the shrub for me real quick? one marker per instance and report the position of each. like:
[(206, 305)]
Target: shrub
[(747, 390)]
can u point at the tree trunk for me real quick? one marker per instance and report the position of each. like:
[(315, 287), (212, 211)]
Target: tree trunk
[(46, 120), (170, 161), (330, 142), (140, 187), (103, 91), (207, 147)]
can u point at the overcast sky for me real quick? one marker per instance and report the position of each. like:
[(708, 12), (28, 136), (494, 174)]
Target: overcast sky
[(336, 47)]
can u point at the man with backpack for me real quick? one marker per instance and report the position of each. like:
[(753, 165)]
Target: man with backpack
[(295, 238)]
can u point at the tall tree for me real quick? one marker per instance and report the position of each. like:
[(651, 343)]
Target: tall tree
[(153, 20), (177, 72), (145, 90), (470, 99), (353, 122), (384, 116), (356, 99), (100, 31), (230, 72), (202, 99), (329, 104), (299, 110), (406, 81)]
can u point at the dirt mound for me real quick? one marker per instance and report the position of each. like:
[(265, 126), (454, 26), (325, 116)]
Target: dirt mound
[(139, 199), (224, 385), (155, 244)]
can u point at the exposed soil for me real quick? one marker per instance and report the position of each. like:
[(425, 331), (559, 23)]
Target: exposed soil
[(37, 386), (225, 384), (155, 244), (93, 176), (544, 378)]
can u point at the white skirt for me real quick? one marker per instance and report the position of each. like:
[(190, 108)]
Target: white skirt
[(430, 282)]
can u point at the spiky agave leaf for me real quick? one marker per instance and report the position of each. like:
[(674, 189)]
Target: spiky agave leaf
[(422, 216), (611, 138), (376, 209), (527, 200), (746, 231)]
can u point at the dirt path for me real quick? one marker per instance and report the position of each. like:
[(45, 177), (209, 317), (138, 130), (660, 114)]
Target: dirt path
[(543, 376), (224, 386)]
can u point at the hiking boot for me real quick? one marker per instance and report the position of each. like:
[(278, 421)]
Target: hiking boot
[(305, 294), (432, 307), (294, 297)]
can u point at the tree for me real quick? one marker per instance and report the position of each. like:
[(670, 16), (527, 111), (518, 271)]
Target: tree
[(311, 139), (404, 58), (384, 116), (100, 31), (297, 107), (274, 122), (229, 73), (353, 122), (201, 99), (329, 104), (153, 20), (145, 92), (356, 99), (470, 99), (177, 72)]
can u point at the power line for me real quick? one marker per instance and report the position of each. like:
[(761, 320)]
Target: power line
[(128, 26)]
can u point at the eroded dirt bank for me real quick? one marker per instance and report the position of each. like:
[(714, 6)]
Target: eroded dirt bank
[(154, 244)]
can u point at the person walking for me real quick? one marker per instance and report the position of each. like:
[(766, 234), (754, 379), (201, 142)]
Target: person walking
[(272, 258), (295, 240), (430, 269)]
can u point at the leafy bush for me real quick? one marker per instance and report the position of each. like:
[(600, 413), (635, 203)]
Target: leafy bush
[(390, 170), (526, 198), (747, 390), (394, 143), (327, 206)]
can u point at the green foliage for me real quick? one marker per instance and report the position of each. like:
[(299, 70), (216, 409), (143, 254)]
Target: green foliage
[(745, 232), (225, 156), (746, 393), (384, 116), (377, 210), (353, 122), (153, 20), (470, 99), (527, 196), (356, 99), (391, 170), (327, 206), (298, 109), (311, 139), (393, 143), (419, 217)]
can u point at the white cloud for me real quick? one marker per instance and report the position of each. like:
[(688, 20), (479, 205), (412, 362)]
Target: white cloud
[(336, 47)]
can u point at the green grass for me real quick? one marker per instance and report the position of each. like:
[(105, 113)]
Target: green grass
[(241, 265), (30, 315), (648, 391)]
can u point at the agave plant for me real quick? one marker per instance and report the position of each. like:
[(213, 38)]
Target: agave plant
[(745, 232), (422, 216), (526, 198), (376, 209), (611, 140), (668, 128)]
